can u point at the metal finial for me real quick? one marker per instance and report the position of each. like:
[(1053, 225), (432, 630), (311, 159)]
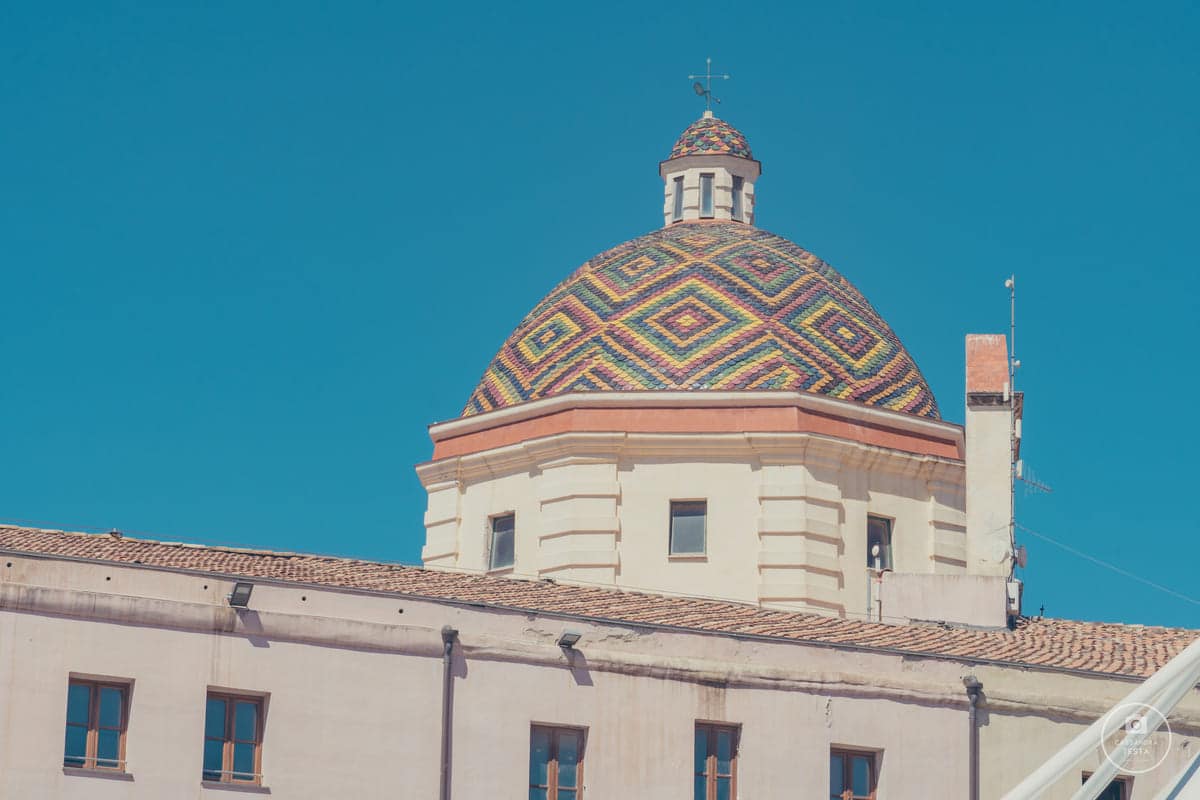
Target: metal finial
[(705, 90)]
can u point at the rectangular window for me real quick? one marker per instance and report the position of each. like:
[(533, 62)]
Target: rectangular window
[(706, 195), (677, 198), (232, 739), (879, 532), (96, 713), (851, 775), (688, 522), (555, 763), (715, 770), (738, 184), (1119, 789), (503, 530)]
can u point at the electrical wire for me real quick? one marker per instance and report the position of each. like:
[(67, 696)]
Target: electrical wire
[(1100, 562)]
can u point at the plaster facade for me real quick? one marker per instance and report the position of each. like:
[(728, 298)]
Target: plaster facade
[(787, 504), (353, 683)]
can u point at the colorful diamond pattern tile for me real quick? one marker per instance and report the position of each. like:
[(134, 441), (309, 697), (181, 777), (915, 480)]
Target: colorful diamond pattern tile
[(711, 136), (714, 305)]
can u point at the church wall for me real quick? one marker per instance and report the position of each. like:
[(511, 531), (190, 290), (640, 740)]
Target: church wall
[(353, 682), (729, 568), (787, 514)]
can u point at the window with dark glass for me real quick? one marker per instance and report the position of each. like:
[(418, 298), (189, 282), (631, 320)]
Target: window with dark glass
[(555, 763), (715, 769), (96, 713), (879, 532), (677, 199), (1119, 789), (738, 185), (706, 195), (688, 522), (503, 530), (851, 775), (232, 738)]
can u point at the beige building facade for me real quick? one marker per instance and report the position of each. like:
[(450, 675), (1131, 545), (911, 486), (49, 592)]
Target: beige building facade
[(352, 681)]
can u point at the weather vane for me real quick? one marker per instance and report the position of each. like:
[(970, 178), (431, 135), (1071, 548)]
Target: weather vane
[(705, 89)]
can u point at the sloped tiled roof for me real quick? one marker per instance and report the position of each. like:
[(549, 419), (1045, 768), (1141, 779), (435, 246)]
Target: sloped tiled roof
[(1105, 648), (709, 136), (705, 306)]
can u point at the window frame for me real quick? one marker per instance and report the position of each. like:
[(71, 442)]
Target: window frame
[(91, 756), (887, 559), (231, 699), (737, 206), (686, 554), (677, 199), (552, 788), (712, 729), (1124, 781), (711, 179), (492, 566), (848, 754)]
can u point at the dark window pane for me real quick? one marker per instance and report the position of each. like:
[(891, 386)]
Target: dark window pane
[(79, 703), (687, 527), (245, 721), (243, 762), (701, 790), (568, 757), (701, 763), (537, 794), (678, 212), (723, 788), (76, 746), (214, 718), (724, 751), (539, 756), (706, 195), (108, 747), (860, 775), (566, 794), (879, 532), (212, 760), (502, 541), (836, 768), (112, 703), (737, 198)]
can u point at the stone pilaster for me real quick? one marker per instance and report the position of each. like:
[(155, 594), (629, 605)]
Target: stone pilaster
[(579, 530), (800, 537), (443, 517)]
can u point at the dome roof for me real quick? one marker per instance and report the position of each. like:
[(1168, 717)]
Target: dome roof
[(710, 136), (705, 306)]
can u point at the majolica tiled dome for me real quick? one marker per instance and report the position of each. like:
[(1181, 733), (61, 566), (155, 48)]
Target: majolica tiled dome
[(705, 306), (711, 136)]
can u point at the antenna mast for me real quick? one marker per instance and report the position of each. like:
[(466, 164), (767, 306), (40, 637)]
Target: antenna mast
[(1013, 363)]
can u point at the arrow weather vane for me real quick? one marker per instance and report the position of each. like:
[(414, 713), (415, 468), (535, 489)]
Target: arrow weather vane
[(705, 90)]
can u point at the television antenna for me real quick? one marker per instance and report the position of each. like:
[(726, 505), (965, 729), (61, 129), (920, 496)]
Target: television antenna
[(705, 89)]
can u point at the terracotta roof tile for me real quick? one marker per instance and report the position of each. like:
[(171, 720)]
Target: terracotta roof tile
[(1106, 648)]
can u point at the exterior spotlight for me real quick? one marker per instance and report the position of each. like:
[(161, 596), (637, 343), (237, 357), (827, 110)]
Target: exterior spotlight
[(240, 596), (569, 639)]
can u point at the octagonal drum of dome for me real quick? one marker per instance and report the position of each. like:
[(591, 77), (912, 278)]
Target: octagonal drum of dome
[(705, 306)]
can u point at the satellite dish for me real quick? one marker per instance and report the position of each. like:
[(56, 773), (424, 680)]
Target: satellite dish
[(698, 87)]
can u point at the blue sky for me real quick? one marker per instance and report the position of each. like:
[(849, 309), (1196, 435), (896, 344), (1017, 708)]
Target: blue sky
[(250, 251)]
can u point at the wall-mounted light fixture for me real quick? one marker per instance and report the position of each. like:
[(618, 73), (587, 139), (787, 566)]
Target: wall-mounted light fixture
[(569, 639), (240, 596)]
